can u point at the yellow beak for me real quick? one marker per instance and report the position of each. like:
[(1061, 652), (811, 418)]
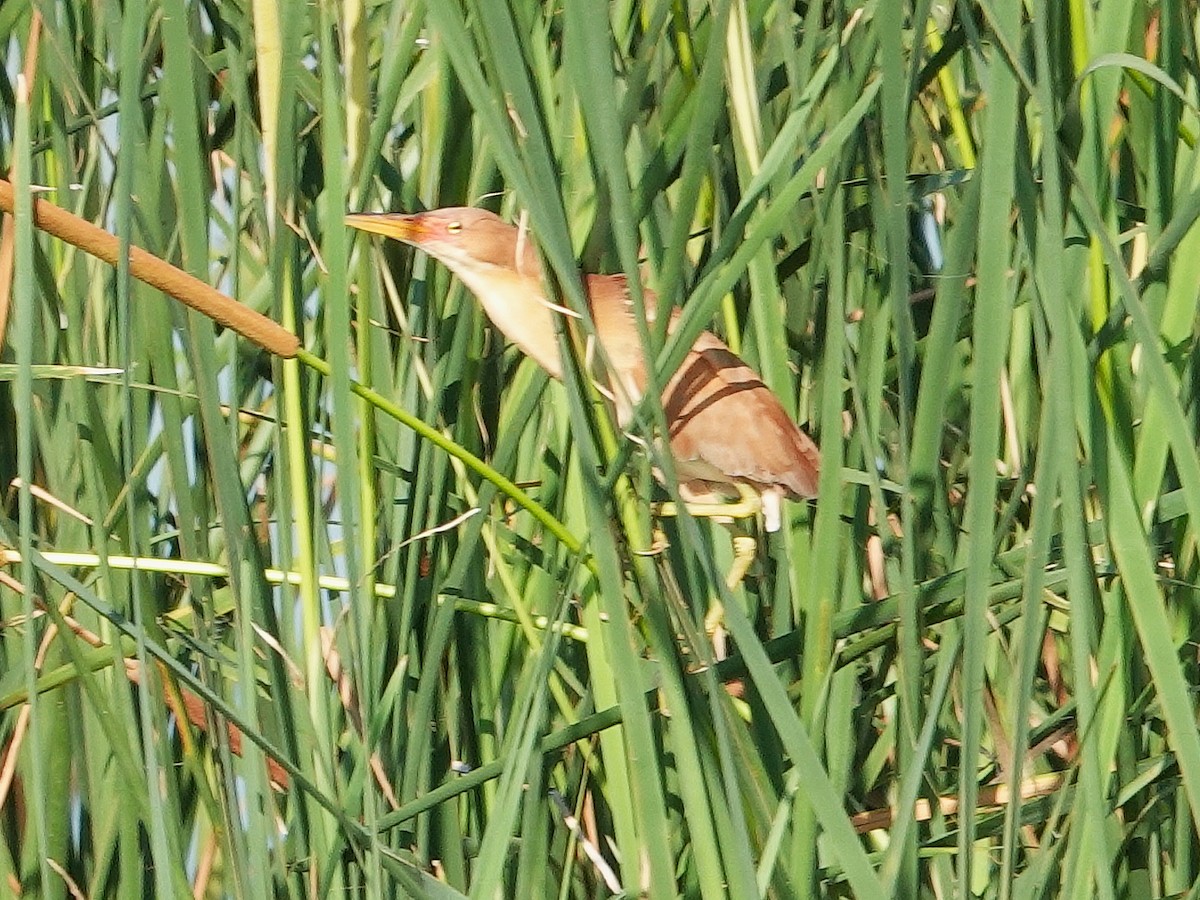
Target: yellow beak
[(398, 226)]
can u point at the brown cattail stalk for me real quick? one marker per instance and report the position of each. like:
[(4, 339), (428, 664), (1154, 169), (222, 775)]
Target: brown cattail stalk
[(158, 273)]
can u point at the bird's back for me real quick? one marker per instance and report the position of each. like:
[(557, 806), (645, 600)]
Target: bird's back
[(726, 425)]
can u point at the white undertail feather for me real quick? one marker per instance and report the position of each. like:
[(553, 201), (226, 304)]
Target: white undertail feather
[(771, 509)]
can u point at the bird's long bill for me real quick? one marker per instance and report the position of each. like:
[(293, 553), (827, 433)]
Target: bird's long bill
[(398, 226)]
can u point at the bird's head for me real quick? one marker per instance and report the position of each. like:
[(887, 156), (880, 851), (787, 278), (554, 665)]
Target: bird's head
[(468, 241)]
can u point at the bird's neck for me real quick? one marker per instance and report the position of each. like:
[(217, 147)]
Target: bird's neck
[(515, 304)]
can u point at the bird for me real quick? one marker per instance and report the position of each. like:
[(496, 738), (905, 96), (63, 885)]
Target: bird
[(735, 449)]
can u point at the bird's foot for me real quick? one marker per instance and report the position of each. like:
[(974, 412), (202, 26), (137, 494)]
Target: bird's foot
[(658, 544)]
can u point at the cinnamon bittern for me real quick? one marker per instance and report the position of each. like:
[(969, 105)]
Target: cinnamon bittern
[(729, 436)]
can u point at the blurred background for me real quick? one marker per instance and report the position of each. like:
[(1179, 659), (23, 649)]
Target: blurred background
[(261, 638)]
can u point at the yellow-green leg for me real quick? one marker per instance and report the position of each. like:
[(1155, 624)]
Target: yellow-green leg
[(745, 547), (748, 506), (745, 551)]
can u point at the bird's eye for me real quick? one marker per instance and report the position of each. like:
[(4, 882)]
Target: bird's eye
[(453, 227)]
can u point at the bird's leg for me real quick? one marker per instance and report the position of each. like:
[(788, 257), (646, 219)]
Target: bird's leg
[(747, 506), (731, 515), (745, 551), (745, 547)]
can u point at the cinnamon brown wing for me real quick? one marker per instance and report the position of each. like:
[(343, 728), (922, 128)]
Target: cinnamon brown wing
[(722, 416)]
